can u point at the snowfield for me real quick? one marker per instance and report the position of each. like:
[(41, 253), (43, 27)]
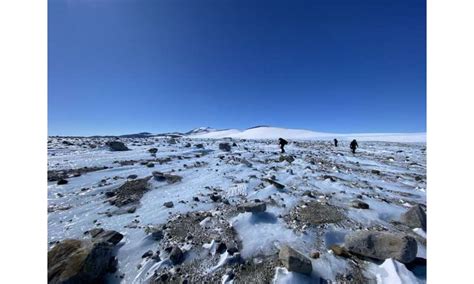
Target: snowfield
[(267, 132), (310, 198)]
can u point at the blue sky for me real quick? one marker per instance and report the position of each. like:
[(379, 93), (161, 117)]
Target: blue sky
[(126, 66)]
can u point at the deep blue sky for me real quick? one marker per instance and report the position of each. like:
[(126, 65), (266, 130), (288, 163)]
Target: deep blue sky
[(125, 66)]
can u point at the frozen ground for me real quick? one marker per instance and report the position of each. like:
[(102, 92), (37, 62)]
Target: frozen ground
[(390, 177)]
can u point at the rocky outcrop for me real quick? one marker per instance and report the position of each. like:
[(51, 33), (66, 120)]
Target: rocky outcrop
[(130, 192)]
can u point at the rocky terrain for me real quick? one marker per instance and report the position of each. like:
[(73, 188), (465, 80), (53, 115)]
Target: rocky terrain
[(145, 209)]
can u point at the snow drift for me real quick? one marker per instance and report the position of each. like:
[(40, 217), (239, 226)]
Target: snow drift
[(266, 132)]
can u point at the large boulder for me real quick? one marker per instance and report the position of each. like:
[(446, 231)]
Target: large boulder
[(382, 245), (81, 261), (224, 147), (415, 217), (254, 207), (117, 146), (294, 261)]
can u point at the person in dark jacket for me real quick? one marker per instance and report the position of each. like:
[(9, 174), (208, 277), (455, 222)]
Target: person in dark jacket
[(282, 143), (354, 145), (335, 142)]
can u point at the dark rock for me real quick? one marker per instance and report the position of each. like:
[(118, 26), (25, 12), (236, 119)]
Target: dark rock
[(176, 255), (221, 248), (382, 245), (153, 150), (415, 217), (155, 232), (94, 232), (168, 204), (79, 261), (132, 177), (224, 147), (147, 254), (254, 207), (62, 181), (109, 194), (215, 197), (359, 204), (232, 250), (294, 261), (111, 236), (274, 183), (132, 209), (377, 172), (199, 146), (315, 254), (117, 146), (169, 178)]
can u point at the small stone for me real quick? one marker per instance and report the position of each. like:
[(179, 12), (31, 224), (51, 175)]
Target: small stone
[(168, 204), (340, 251), (147, 254), (232, 250), (359, 204), (215, 197)]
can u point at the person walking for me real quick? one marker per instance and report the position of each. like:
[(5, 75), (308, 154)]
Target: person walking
[(335, 142), (282, 143), (354, 145)]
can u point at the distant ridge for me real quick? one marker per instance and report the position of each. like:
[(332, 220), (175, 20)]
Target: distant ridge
[(269, 132)]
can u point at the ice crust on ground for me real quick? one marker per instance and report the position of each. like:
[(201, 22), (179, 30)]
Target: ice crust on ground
[(332, 175)]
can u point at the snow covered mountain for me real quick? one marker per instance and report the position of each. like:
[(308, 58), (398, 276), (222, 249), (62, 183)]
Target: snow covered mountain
[(268, 132), (200, 130)]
